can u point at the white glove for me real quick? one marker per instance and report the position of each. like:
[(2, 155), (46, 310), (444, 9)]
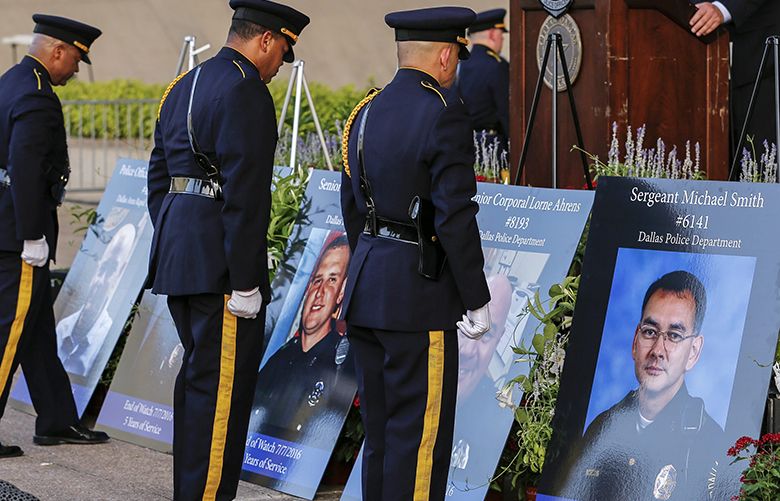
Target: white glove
[(245, 304), (475, 323), (36, 252)]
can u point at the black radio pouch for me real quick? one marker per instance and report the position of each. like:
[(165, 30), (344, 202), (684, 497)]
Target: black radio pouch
[(432, 256)]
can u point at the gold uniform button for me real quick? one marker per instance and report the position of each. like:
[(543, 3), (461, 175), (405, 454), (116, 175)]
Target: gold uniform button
[(631, 462)]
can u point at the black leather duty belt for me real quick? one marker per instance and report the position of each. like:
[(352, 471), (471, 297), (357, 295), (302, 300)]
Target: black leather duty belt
[(5, 179), (393, 230), (195, 186)]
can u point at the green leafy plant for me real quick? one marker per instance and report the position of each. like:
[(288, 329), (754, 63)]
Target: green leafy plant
[(286, 197), (761, 479), (540, 386), (84, 217)]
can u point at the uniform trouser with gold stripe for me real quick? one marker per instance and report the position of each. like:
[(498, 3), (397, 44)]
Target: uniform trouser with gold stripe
[(27, 337), (407, 383), (213, 395)]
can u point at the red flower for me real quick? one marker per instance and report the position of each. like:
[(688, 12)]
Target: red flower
[(356, 402), (769, 438), (741, 444)]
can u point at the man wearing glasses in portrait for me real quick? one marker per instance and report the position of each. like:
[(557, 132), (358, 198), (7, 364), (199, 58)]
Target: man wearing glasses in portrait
[(658, 442)]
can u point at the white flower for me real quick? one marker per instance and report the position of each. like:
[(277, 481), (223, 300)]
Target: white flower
[(504, 397), (558, 357)]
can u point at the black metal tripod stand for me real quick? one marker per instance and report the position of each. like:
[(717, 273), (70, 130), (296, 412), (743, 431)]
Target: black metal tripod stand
[(773, 41), (554, 38)]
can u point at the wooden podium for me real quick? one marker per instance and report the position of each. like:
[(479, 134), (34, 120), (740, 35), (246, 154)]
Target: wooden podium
[(639, 65)]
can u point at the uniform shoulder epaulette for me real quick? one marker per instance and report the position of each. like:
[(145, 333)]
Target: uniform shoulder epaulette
[(372, 93), (494, 55), (38, 78), (238, 65), (428, 85), (168, 91)]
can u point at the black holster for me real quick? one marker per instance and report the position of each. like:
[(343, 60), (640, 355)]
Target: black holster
[(57, 178), (432, 256)]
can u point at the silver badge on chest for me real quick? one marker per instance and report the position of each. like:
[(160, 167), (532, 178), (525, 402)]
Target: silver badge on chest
[(665, 483)]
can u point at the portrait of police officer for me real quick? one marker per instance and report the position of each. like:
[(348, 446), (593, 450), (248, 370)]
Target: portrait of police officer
[(416, 270), (477, 407), (483, 79), (209, 186), (308, 383), (658, 442), (81, 334), (34, 169)]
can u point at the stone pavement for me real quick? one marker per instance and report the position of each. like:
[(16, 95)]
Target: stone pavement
[(115, 471)]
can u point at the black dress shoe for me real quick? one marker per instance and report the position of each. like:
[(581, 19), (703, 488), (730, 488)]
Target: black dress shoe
[(75, 434), (10, 451)]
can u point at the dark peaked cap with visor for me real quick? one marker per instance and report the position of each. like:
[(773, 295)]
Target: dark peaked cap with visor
[(72, 32), (274, 16), (493, 18), (437, 24)]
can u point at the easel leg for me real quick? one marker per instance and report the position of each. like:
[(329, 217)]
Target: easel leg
[(749, 114), (286, 100), (575, 116), (534, 105)]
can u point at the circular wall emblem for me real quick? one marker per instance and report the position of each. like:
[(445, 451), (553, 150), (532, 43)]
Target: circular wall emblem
[(556, 8), (572, 49)]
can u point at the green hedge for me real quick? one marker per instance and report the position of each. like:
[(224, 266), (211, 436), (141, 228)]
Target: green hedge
[(112, 120)]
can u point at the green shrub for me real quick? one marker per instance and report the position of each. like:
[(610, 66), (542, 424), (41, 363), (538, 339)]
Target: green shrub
[(111, 119), (136, 120), (333, 106)]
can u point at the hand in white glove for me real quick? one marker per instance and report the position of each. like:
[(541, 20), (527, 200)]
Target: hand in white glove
[(475, 323), (36, 252), (245, 304)]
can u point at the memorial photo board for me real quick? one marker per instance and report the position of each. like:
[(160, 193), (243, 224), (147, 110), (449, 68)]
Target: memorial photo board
[(529, 237), (306, 383), (103, 283), (139, 405), (672, 340)]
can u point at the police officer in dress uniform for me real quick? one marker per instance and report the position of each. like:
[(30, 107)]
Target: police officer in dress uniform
[(483, 79), (209, 199), (33, 172), (658, 442), (417, 262)]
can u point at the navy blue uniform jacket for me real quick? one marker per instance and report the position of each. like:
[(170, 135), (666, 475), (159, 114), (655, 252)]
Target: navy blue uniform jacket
[(418, 141), (483, 80), (32, 140), (202, 245)]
